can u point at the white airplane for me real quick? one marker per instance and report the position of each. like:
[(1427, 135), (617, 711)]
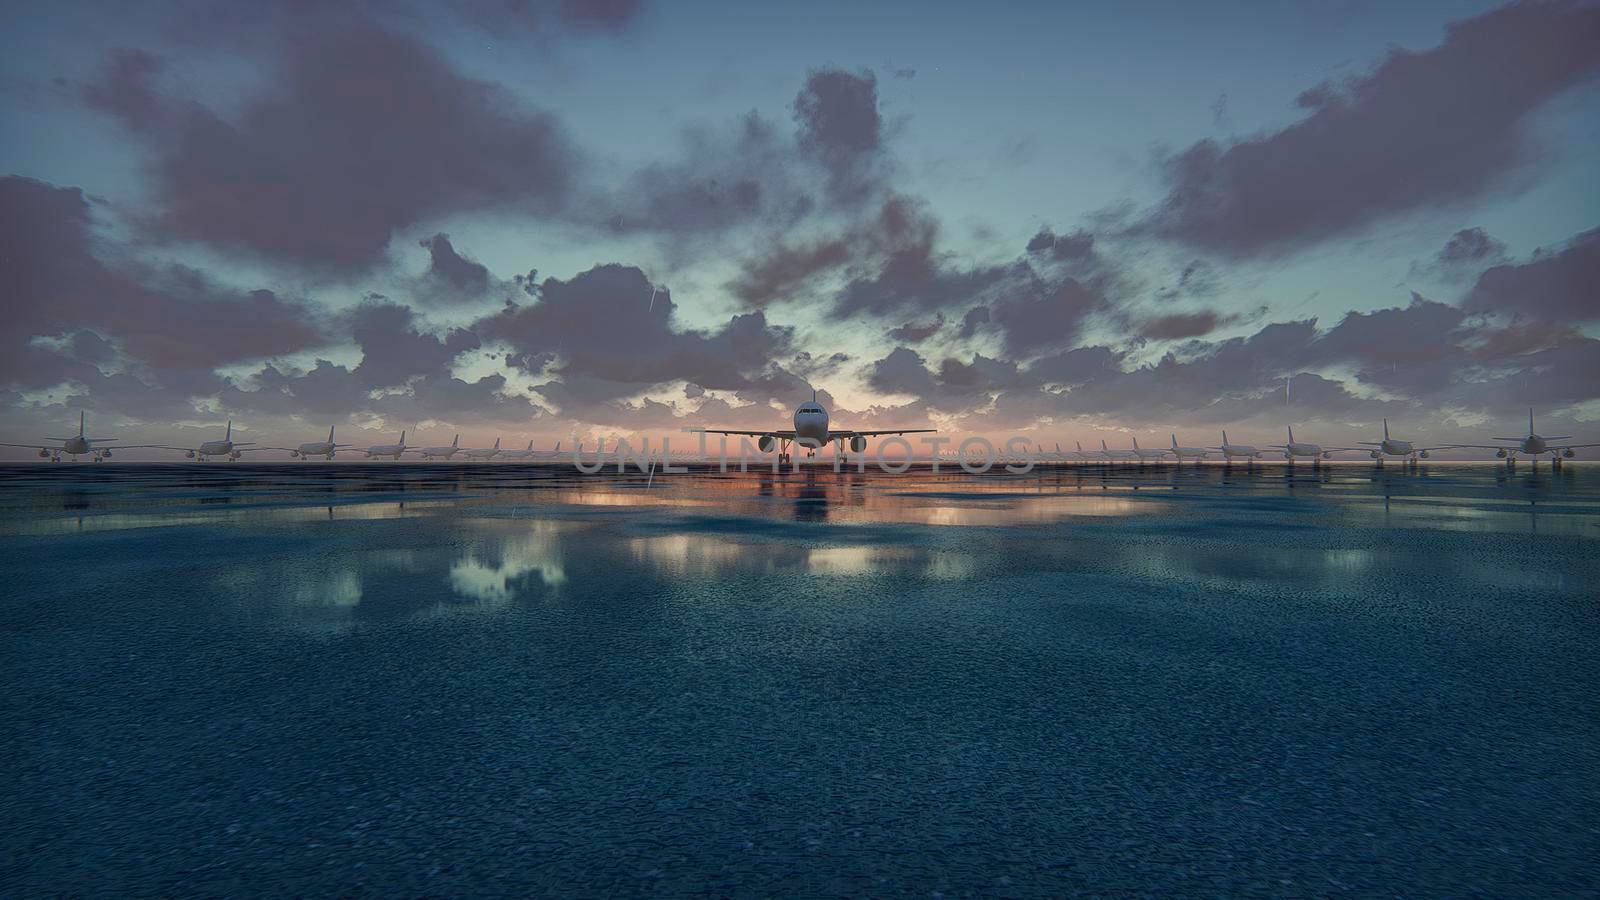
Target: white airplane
[(1534, 444), (440, 452), (325, 448), (77, 445), (391, 450), (1395, 447), (1183, 453), (530, 452), (227, 447), (1299, 448), (1145, 453), (1107, 453), (483, 453), (1229, 451), (811, 432), (1078, 455)]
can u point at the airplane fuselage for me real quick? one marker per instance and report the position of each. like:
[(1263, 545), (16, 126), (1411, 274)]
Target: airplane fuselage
[(438, 452), (1534, 444), (318, 448), (1244, 450), (1393, 447), (811, 425), (215, 448), (481, 454), (393, 450), (1300, 449)]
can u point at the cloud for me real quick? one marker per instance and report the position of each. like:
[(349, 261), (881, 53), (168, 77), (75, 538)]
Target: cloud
[(916, 332), (604, 341), (1424, 129), (1563, 285), (455, 276), (838, 124), (162, 316), (1180, 325), (363, 132)]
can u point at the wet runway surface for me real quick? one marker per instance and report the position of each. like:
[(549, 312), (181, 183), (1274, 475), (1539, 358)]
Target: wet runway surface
[(506, 679)]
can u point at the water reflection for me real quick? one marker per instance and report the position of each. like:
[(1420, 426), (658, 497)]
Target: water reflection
[(492, 572)]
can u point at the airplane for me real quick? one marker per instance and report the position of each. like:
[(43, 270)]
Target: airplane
[(530, 452), (1229, 451), (1145, 453), (811, 431), (325, 448), (1298, 448), (1079, 454), (377, 450), (483, 453), (1395, 447), (440, 452), (77, 445), (1113, 455), (1194, 453), (1533, 445), (227, 447), (1058, 455)]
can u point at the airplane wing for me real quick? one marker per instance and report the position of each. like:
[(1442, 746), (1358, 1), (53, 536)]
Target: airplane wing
[(839, 434), (787, 433), (254, 449), (36, 446)]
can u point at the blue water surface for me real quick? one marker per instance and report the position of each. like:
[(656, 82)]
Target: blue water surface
[(517, 680)]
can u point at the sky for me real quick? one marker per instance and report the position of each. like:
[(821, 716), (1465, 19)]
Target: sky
[(549, 219)]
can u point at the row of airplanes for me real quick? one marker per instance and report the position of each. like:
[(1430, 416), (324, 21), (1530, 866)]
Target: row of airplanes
[(812, 432)]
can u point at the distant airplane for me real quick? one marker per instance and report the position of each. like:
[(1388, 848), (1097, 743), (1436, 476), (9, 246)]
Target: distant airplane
[(1082, 456), (1145, 453), (391, 450), (1395, 447), (483, 453), (530, 452), (440, 452), (325, 448), (811, 431), (1533, 444), (227, 447), (1183, 453), (78, 445), (1107, 453), (1297, 448), (1229, 451)]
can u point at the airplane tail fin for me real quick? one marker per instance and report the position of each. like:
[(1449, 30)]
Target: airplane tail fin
[(1135, 443), (497, 443), (1174, 440), (330, 433), (80, 422), (402, 438), (1103, 444), (1058, 446), (1224, 437), (1080, 445), (530, 445), (228, 436), (1386, 429), (1530, 422), (558, 447), (455, 441), (1291, 434)]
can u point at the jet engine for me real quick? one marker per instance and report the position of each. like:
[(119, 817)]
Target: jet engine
[(294, 454), (858, 444), (234, 455), (1377, 455), (1500, 454), (1423, 454), (1327, 454), (44, 454), (106, 453), (766, 443), (1289, 456), (1568, 453), (189, 453)]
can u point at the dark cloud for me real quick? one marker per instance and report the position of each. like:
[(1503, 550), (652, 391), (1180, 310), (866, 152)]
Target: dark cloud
[(916, 332), (364, 132), (838, 124), (1077, 246), (1563, 285), (448, 269), (603, 340), (1423, 129), (1180, 325), (1470, 245), (165, 317), (976, 318)]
